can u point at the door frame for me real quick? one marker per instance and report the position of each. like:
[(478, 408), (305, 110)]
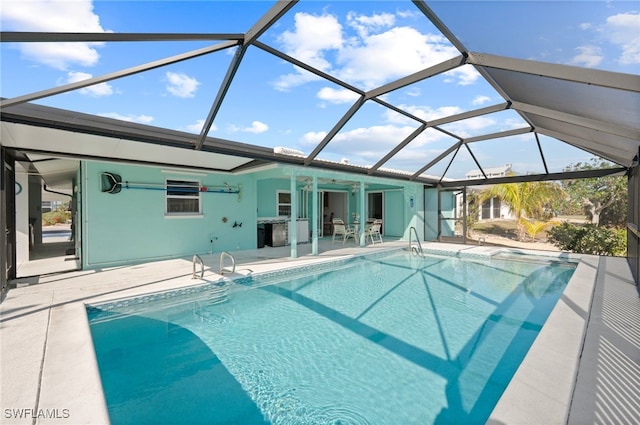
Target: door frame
[(382, 206), (344, 209), (7, 221)]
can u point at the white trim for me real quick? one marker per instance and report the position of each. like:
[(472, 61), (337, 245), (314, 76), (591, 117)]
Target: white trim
[(183, 215), (278, 203), (186, 173), (196, 196)]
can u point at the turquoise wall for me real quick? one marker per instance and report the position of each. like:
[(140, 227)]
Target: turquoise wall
[(403, 205), (77, 222), (266, 195), (394, 207), (414, 211), (431, 214), (131, 226)]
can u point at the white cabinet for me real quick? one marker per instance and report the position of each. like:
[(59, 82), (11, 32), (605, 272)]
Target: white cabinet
[(302, 231)]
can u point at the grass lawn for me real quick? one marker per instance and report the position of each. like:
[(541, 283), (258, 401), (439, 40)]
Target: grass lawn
[(504, 228), (508, 229)]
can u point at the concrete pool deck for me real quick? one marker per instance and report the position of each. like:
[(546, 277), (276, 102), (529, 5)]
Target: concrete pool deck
[(577, 371)]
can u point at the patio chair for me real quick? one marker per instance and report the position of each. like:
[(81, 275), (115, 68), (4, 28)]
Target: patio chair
[(340, 229), (374, 230)]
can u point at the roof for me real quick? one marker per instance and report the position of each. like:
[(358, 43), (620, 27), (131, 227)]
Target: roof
[(547, 104), (493, 171)]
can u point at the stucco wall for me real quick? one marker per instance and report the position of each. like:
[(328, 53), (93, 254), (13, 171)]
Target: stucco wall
[(132, 226), (431, 214), (266, 195)]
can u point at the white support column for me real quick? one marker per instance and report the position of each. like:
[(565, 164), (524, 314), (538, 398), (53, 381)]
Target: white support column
[(363, 217), (293, 228), (314, 216), (23, 234)]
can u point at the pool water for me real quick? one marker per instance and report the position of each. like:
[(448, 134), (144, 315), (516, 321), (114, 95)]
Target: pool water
[(392, 339)]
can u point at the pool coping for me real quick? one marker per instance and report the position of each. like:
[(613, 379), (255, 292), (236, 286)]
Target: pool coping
[(542, 388), (68, 377)]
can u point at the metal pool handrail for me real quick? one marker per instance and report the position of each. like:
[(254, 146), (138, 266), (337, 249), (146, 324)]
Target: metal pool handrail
[(233, 262), (197, 257), (417, 249)]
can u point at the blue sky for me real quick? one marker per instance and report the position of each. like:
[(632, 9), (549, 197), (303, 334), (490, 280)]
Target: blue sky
[(366, 43)]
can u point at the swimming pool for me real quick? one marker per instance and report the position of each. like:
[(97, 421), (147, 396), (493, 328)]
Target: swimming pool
[(381, 339)]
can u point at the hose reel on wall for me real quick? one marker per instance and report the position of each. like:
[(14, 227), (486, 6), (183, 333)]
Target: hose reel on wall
[(112, 183)]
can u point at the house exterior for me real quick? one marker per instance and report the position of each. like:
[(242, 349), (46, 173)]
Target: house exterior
[(134, 202), (129, 213), (492, 208)]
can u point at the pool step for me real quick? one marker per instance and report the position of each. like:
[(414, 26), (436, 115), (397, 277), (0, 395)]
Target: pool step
[(218, 295), (202, 309)]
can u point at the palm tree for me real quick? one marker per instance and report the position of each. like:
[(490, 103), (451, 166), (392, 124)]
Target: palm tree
[(525, 200), (533, 227)]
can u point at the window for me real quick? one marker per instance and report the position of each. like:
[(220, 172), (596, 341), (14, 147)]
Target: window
[(283, 203), (183, 197)]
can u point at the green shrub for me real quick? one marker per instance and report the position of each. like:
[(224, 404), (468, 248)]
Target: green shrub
[(60, 215), (589, 239)]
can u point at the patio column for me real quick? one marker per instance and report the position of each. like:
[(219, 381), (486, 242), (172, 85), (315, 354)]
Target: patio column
[(293, 228), (363, 217), (314, 217)]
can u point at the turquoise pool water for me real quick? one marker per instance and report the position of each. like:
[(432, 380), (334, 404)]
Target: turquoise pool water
[(390, 339)]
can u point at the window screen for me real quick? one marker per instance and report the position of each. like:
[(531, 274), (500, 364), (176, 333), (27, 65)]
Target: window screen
[(183, 197), (284, 203)]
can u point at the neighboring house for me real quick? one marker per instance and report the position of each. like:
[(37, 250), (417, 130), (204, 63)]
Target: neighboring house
[(501, 171), (492, 208)]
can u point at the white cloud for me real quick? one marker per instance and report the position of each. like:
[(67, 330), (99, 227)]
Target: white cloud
[(256, 127), (196, 127), (312, 138), (463, 128), (380, 58), (623, 30), (337, 95), (365, 24), (287, 81), (464, 75), (480, 100), (97, 90), (143, 119), (470, 127), (588, 56), (410, 14), (423, 112), (181, 85), (366, 145), (370, 141), (512, 124), (376, 54), (54, 16), (313, 35)]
